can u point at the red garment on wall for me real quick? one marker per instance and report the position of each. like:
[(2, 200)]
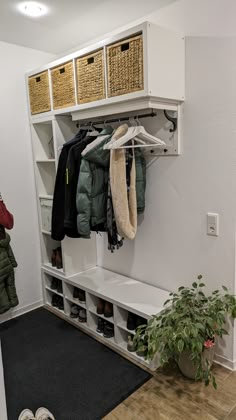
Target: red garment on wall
[(6, 218)]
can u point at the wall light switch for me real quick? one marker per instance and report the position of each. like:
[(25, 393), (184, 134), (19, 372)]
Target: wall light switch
[(213, 224)]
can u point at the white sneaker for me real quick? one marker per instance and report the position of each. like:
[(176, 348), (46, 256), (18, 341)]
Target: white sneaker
[(26, 415), (44, 414)]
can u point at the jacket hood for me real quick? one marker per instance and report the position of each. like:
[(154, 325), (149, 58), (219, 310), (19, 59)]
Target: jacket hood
[(4, 243), (98, 155)]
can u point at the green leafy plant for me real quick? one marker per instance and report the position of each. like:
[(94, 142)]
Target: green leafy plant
[(191, 321)]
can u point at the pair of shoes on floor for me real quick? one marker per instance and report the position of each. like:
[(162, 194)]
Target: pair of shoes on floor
[(56, 284), (134, 321), (104, 308), (79, 294), (76, 312), (56, 258), (105, 328), (57, 302), (41, 414)]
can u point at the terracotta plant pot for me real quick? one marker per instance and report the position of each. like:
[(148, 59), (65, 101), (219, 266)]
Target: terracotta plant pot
[(187, 366)]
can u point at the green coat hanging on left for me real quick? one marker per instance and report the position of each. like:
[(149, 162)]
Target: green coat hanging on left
[(8, 296)]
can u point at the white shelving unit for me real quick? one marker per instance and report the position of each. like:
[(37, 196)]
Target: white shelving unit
[(125, 294), (163, 90)]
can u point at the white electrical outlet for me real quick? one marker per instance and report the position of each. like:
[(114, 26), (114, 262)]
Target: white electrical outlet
[(213, 224)]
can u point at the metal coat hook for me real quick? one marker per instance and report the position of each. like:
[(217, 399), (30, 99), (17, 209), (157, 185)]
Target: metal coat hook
[(173, 120)]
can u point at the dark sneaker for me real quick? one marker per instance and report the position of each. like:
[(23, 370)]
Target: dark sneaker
[(55, 301), (131, 321), (100, 327), (82, 315), (74, 311), (54, 283), (76, 293), (140, 321), (59, 286), (81, 294), (108, 330), (59, 258), (108, 310), (60, 303), (53, 257), (130, 345), (100, 307)]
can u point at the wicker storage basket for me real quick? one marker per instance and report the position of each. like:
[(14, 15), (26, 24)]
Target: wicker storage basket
[(90, 77), (63, 88), (39, 93), (125, 66)]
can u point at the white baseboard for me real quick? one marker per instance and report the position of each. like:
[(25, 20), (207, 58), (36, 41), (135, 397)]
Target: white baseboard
[(13, 313), (223, 361)]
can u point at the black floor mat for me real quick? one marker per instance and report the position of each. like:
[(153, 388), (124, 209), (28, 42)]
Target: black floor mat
[(47, 362)]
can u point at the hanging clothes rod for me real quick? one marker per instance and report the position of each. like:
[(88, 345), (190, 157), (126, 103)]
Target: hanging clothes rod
[(173, 120), (113, 120)]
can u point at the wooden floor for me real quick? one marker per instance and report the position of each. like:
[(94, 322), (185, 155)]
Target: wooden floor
[(169, 396)]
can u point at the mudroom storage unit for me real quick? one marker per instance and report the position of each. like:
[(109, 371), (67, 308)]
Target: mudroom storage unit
[(160, 74)]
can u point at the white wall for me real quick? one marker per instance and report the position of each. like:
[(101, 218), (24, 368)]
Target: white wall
[(171, 247), (16, 169)]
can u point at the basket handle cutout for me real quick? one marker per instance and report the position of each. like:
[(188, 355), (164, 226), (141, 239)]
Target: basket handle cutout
[(62, 70), (90, 60), (125, 47), (38, 79)]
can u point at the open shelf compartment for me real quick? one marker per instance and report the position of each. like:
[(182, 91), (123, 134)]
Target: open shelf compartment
[(43, 143), (68, 292)]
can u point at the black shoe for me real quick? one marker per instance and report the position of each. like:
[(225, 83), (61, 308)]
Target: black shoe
[(74, 311), (108, 330), (81, 296), (55, 301), (131, 321), (140, 321), (100, 327), (59, 286), (76, 293), (60, 303), (54, 283), (82, 315)]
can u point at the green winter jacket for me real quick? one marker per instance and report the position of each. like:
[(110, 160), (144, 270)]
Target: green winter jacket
[(91, 197), (92, 187), (8, 296)]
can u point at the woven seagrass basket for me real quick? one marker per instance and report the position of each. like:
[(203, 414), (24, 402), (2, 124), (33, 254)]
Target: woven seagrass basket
[(39, 93), (91, 77), (63, 88), (125, 66)]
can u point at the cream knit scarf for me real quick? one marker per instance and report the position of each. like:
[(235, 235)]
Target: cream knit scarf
[(125, 205)]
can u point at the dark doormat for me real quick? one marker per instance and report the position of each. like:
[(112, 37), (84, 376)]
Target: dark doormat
[(48, 362)]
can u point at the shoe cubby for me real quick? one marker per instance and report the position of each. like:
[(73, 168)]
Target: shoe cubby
[(92, 304), (48, 245), (125, 319), (93, 324), (49, 294), (70, 309), (43, 142), (69, 295), (50, 282)]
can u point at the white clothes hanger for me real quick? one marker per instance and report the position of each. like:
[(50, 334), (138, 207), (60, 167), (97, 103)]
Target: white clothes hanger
[(140, 135)]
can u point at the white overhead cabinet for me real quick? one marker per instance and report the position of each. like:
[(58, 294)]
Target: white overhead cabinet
[(145, 61), (139, 70)]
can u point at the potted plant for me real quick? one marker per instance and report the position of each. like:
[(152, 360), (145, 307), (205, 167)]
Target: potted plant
[(186, 330)]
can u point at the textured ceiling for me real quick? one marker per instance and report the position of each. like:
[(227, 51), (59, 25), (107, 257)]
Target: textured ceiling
[(70, 23)]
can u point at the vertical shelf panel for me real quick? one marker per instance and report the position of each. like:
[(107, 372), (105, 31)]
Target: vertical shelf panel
[(79, 254), (64, 129)]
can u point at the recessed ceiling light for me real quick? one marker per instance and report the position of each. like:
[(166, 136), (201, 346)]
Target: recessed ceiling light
[(32, 9)]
